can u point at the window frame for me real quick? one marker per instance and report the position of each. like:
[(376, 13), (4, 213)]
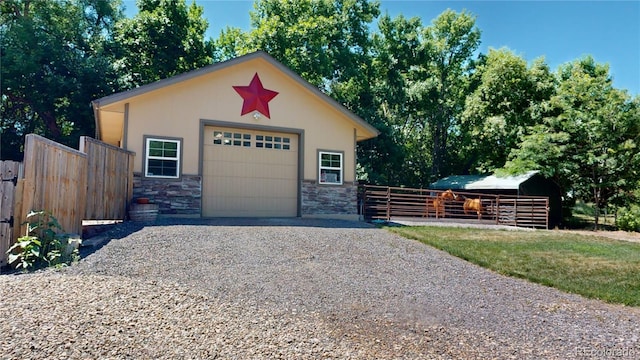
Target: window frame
[(147, 157), (331, 168)]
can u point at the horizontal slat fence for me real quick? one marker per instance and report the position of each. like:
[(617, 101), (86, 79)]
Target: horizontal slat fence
[(109, 180), (524, 212), (385, 203)]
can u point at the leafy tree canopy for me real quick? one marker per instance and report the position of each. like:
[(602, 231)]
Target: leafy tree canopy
[(165, 38), (53, 65), (590, 145)]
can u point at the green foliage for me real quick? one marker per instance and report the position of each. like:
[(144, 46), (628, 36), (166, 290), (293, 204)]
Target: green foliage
[(588, 142), (165, 38), (386, 158), (25, 253), (420, 76), (439, 86), (54, 62), (629, 219), (591, 266), (509, 99), (43, 245)]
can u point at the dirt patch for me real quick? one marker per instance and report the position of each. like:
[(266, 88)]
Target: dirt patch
[(616, 235)]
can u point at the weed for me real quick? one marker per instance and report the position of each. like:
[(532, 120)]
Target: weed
[(43, 245)]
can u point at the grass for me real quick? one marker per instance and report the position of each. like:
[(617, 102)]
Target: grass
[(591, 266)]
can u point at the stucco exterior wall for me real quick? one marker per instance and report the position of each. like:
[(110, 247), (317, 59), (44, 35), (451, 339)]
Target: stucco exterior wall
[(176, 111)]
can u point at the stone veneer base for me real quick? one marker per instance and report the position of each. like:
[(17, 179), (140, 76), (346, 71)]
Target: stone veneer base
[(329, 199), (173, 196), (183, 196)]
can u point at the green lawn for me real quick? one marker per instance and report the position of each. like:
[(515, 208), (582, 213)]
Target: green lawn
[(591, 266)]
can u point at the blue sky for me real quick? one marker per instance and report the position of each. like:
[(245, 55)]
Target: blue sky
[(561, 31)]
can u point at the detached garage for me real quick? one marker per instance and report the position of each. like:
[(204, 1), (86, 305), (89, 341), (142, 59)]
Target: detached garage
[(242, 138)]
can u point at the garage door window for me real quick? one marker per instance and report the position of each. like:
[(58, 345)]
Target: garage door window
[(162, 158), (231, 138), (330, 168), (273, 142)]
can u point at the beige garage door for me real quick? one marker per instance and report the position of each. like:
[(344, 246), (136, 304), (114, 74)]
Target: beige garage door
[(249, 173)]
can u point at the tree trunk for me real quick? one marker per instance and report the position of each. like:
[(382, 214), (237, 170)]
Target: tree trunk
[(51, 124), (596, 199)]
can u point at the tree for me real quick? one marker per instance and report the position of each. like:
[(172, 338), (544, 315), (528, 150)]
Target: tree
[(590, 145), (509, 99), (438, 86), (422, 78), (163, 39), (231, 43), (398, 155), (328, 44), (53, 64), (323, 41)]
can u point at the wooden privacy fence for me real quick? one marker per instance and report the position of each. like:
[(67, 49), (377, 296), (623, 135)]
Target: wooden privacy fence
[(386, 203), (55, 180), (109, 180), (9, 173), (93, 183)]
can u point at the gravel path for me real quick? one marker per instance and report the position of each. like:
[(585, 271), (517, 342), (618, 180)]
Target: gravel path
[(295, 289)]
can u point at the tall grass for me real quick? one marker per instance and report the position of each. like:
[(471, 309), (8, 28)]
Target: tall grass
[(591, 266)]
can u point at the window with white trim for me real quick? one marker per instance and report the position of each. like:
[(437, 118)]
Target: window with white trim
[(162, 158), (330, 167)]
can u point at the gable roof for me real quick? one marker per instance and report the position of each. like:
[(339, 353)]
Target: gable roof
[(117, 97), (482, 182)]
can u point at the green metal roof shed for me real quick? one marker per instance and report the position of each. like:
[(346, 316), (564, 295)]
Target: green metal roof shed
[(531, 183)]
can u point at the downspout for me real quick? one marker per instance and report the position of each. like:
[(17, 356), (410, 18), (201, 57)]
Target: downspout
[(355, 157)]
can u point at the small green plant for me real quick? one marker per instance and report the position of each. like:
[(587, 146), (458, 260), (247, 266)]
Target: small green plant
[(44, 245), (629, 219)]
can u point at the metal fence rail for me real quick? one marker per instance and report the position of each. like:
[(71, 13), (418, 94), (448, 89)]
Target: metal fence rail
[(385, 203)]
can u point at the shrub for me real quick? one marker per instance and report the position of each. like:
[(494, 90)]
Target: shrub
[(629, 219), (44, 245)]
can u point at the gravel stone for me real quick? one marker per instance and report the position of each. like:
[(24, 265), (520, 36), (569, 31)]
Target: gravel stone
[(294, 289)]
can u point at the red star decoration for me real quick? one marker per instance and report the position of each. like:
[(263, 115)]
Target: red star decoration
[(256, 97)]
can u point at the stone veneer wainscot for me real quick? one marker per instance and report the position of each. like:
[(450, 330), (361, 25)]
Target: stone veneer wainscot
[(173, 196), (329, 199)]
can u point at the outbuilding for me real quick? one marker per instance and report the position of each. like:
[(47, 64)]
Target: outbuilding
[(531, 183), (243, 138)]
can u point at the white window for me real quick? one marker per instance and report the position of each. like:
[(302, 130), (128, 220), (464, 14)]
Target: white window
[(162, 158), (330, 167)]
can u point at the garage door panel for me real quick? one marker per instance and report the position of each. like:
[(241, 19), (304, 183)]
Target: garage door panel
[(248, 180)]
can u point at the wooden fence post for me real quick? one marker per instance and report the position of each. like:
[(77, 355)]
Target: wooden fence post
[(388, 203), (498, 210)]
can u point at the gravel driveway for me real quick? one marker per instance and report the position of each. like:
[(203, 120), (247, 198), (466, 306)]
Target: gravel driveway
[(295, 289)]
